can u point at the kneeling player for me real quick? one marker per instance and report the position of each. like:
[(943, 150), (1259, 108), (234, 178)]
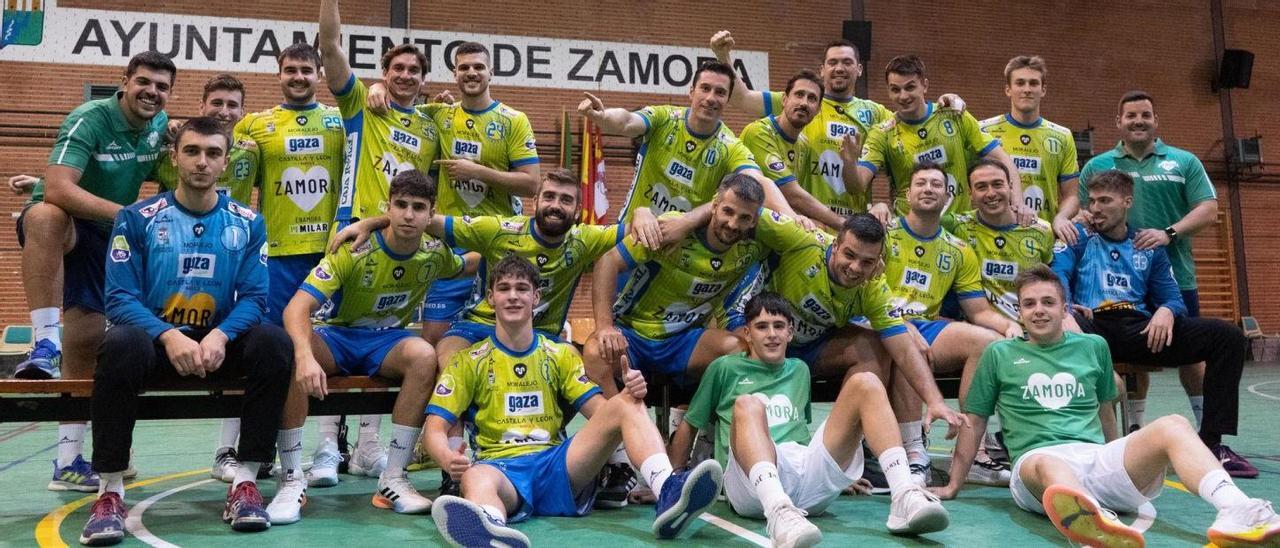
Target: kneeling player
[(774, 470), (1047, 391), (374, 288), (515, 382)]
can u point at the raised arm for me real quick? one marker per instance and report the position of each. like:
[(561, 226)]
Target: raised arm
[(742, 98), (614, 121), (337, 71)]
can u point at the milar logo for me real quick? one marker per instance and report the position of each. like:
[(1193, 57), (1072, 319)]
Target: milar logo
[(304, 145), (197, 265)]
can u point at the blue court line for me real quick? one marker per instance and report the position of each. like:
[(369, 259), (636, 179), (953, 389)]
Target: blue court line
[(13, 463)]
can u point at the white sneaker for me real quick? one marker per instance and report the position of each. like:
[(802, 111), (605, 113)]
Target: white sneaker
[(1250, 524), (370, 459), (920, 474), (788, 528), (291, 496), (324, 465), (396, 493), (916, 511), (987, 471), (224, 465)]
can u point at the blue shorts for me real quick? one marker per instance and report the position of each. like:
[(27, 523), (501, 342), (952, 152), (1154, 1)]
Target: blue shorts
[(285, 274), (930, 329), (447, 299), (542, 481), (84, 267), (358, 351), (474, 332), (808, 353), (669, 356)]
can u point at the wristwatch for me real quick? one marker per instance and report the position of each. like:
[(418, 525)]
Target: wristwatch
[(1171, 232)]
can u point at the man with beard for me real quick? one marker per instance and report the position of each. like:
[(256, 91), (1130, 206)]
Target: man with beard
[(104, 150), (1130, 296), (488, 159), (841, 118), (379, 146)]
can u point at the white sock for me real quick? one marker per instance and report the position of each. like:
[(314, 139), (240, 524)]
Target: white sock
[(1137, 410), (1197, 408), (44, 322), (248, 471), (328, 429), (993, 424), (70, 443), (495, 513), (369, 427), (893, 462), (655, 470), (111, 482), (913, 441), (1218, 489), (400, 448), (289, 443), (619, 455), (674, 419), (455, 442), (230, 433), (764, 477)]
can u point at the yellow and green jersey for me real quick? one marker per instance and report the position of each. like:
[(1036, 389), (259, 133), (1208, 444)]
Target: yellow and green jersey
[(677, 169), (772, 148), (950, 139), (818, 166), (237, 181), (921, 270), (376, 288), (379, 146), (1003, 252), (1045, 155), (299, 160), (802, 277), (559, 265), (497, 137), (677, 287), (516, 395)]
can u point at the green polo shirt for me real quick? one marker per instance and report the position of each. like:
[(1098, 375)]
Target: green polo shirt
[(1167, 184), (113, 157)]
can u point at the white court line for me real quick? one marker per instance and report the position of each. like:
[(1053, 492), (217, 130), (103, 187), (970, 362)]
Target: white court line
[(1146, 516), (134, 522), (737, 530), (1253, 388)]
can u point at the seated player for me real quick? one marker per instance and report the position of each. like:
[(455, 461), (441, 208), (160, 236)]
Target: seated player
[(1130, 297), (1047, 390), (923, 264), (176, 312), (515, 382), (776, 470), (374, 288)]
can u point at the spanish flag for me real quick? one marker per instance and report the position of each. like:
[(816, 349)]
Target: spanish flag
[(595, 204)]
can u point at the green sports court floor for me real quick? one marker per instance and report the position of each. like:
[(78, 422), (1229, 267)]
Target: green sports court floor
[(175, 503)]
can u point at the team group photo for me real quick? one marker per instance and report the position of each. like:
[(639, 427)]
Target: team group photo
[(511, 275)]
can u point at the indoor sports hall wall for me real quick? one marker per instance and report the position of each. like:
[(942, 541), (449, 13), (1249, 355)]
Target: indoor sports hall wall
[(1095, 52)]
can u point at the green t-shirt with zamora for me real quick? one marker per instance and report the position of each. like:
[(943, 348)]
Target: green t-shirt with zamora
[(784, 389), (1045, 395)]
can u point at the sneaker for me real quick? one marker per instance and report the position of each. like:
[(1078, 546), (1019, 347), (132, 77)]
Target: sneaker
[(1235, 465), (324, 466), (685, 495), (788, 528), (267, 470), (224, 465), (1251, 524), (1077, 516), (291, 496), (463, 523), (396, 493), (987, 471), (448, 486), (994, 444), (921, 473), (615, 483), (106, 521), (43, 363), (370, 459), (421, 460), (77, 476), (916, 511), (244, 508)]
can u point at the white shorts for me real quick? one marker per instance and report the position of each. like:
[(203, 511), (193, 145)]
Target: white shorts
[(809, 475), (1100, 469)]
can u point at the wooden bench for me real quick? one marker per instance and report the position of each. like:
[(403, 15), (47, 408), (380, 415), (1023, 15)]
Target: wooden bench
[(68, 400)]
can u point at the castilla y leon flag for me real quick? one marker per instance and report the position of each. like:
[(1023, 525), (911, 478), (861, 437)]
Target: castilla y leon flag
[(595, 204), (22, 23)]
